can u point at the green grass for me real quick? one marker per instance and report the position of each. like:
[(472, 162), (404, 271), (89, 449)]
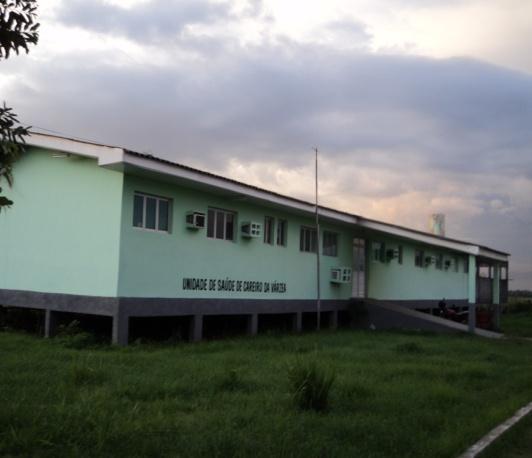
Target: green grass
[(515, 443), (517, 318), (394, 395), (517, 324)]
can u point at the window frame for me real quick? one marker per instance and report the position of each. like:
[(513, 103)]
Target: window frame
[(158, 199), (312, 233), (378, 251), (400, 254), (225, 212), (281, 223), (324, 249), (269, 230)]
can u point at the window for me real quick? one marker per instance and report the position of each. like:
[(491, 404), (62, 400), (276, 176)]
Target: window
[(439, 261), (400, 254), (379, 251), (281, 232), (269, 225), (220, 224), (330, 243), (466, 265), (150, 212), (418, 259), (307, 239)]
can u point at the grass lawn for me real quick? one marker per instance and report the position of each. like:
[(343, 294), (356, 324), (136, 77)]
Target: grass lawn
[(515, 443), (517, 324), (395, 395), (517, 319)]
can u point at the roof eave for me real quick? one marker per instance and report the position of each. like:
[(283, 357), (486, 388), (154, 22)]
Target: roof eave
[(117, 157)]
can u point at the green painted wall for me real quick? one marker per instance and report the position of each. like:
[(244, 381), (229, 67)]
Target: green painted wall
[(391, 280), (71, 231), (62, 234), (153, 264)]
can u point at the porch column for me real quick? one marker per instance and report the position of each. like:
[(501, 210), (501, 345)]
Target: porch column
[(50, 323), (196, 328), (297, 322), (472, 292), (253, 324), (120, 329), (496, 293)]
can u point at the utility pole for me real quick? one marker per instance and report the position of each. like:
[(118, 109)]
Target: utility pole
[(318, 289)]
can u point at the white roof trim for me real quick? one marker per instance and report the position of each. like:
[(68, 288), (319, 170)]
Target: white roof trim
[(111, 155), (486, 253), (104, 154), (221, 183), (427, 239)]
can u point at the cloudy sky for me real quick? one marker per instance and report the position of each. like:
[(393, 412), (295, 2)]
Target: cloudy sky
[(417, 106)]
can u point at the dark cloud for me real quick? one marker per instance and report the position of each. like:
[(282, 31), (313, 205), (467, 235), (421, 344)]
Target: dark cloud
[(453, 114), (455, 128), (153, 21)]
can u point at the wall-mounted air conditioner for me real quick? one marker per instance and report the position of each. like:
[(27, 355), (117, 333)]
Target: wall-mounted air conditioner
[(195, 220), (341, 275), (251, 229), (392, 254)]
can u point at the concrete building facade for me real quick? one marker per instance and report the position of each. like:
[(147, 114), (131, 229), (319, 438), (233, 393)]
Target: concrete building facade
[(106, 231)]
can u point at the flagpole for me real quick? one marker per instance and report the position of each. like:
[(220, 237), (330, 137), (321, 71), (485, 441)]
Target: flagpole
[(318, 289)]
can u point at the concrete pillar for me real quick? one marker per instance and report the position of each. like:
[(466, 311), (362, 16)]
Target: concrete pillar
[(50, 323), (472, 293), (196, 328), (253, 324), (333, 321), (496, 290), (120, 329), (297, 322), (472, 280), (496, 286)]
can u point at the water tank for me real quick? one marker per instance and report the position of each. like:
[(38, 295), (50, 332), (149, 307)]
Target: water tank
[(437, 224)]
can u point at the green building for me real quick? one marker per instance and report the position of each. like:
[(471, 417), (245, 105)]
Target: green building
[(106, 231)]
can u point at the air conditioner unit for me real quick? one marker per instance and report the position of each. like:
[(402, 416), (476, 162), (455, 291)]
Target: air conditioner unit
[(341, 275), (392, 254), (251, 229), (195, 220)]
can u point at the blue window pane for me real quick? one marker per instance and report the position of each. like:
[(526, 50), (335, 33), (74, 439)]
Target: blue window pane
[(151, 205), (138, 208), (163, 215)]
